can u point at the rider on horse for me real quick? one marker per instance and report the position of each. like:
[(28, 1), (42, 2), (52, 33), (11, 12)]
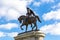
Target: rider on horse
[(29, 13), (29, 19)]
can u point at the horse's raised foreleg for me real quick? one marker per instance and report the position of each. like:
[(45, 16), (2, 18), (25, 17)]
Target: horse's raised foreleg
[(21, 27)]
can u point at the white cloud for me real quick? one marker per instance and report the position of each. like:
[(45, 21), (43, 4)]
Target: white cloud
[(12, 9), (47, 1), (12, 14), (56, 6), (29, 1), (53, 29), (8, 26), (20, 5), (2, 11), (2, 34), (37, 3), (13, 34), (55, 15)]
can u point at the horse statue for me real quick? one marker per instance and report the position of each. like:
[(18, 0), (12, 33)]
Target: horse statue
[(31, 20)]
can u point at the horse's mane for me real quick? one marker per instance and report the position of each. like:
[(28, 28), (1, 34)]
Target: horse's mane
[(22, 16)]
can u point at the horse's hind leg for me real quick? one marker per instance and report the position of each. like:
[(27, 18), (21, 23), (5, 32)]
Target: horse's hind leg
[(26, 27), (21, 27), (31, 27), (35, 25)]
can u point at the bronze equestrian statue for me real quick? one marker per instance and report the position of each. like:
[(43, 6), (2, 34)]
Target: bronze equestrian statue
[(28, 19)]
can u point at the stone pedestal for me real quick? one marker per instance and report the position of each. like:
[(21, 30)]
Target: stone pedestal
[(31, 35)]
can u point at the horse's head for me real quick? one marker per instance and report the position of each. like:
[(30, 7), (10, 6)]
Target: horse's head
[(21, 18)]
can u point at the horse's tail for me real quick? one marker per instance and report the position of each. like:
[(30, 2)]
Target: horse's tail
[(38, 19)]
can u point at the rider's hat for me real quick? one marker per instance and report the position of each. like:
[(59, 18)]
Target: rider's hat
[(27, 7)]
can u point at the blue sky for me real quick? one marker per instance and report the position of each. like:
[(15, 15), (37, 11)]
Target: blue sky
[(47, 10)]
